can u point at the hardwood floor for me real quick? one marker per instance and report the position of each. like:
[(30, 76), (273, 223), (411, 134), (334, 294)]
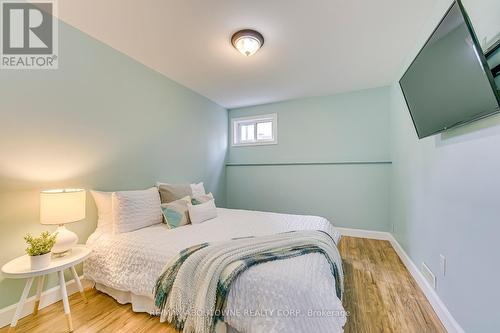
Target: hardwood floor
[(380, 296)]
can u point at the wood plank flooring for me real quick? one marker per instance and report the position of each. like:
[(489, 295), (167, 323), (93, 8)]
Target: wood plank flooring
[(380, 296)]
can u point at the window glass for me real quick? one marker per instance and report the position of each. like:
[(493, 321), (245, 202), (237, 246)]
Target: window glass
[(255, 130), (265, 131), (247, 133)]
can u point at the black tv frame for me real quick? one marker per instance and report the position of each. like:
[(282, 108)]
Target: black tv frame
[(484, 64)]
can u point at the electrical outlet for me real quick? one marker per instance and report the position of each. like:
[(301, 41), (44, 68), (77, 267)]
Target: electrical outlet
[(392, 227), (442, 264), (429, 276)]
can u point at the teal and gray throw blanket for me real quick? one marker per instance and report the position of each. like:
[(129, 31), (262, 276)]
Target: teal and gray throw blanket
[(191, 292)]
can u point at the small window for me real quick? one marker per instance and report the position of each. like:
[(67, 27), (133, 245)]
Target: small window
[(257, 130)]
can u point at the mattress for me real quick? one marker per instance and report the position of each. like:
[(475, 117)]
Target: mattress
[(292, 295)]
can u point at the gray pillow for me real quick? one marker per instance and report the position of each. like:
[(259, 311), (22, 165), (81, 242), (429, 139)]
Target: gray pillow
[(172, 192)]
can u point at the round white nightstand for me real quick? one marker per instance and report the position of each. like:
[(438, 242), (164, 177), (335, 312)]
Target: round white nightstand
[(19, 268)]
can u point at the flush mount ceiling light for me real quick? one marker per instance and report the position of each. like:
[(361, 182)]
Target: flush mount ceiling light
[(247, 41)]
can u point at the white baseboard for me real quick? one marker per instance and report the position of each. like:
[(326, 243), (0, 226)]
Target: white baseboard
[(437, 304), (361, 233), (49, 296), (451, 325)]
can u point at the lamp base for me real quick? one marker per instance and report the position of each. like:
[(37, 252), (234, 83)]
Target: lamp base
[(61, 254), (65, 240)]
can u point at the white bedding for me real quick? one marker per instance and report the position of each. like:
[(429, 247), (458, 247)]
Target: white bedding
[(292, 295)]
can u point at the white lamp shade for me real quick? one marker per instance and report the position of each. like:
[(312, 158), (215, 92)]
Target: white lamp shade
[(62, 206)]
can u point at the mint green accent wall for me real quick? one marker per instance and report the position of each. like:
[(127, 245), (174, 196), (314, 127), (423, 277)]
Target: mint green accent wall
[(101, 121), (354, 196), (340, 128), (345, 127)]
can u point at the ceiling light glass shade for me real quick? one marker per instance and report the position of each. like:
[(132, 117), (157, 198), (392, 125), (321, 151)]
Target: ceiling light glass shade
[(247, 41), (247, 45)]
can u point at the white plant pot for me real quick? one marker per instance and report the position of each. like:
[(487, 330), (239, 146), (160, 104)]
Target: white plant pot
[(40, 262)]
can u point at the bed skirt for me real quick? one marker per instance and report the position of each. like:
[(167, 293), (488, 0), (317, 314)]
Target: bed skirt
[(141, 303)]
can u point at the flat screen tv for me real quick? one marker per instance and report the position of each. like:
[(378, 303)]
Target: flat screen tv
[(450, 83)]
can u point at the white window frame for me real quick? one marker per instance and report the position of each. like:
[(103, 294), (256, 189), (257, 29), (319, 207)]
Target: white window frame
[(253, 120)]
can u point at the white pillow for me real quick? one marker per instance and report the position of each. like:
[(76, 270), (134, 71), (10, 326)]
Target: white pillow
[(202, 212), (197, 189), (134, 210), (199, 199), (104, 210)]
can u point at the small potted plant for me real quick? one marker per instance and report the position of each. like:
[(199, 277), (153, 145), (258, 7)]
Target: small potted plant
[(39, 249)]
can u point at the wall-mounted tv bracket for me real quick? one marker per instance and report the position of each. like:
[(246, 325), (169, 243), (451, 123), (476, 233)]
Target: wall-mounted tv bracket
[(496, 70), (495, 46), (490, 52)]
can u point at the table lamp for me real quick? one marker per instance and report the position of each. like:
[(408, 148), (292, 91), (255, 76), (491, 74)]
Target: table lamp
[(61, 207)]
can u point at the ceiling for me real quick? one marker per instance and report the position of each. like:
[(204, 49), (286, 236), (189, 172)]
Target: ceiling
[(312, 47)]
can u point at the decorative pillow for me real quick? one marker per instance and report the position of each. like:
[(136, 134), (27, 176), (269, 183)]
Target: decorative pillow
[(134, 210), (104, 210), (176, 212), (199, 199), (197, 189), (202, 212), (172, 192)]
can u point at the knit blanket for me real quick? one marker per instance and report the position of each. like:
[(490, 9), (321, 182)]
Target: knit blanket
[(191, 292)]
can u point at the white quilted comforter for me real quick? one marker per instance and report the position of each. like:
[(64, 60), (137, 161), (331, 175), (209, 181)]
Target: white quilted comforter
[(292, 295)]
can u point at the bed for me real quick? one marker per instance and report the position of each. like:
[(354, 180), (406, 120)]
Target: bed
[(292, 295)]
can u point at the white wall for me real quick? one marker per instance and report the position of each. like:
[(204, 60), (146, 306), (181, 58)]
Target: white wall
[(485, 15)]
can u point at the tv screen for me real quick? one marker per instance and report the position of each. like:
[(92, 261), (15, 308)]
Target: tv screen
[(449, 83)]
